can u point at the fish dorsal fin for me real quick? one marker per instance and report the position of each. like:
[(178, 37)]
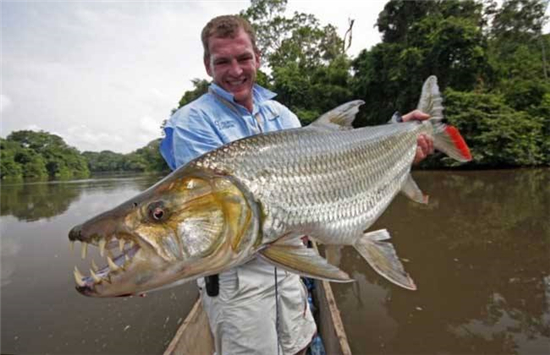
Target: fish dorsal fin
[(339, 118), (304, 261)]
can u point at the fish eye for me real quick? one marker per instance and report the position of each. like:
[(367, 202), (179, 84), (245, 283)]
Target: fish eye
[(157, 211)]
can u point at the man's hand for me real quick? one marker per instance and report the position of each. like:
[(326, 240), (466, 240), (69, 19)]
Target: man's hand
[(425, 145)]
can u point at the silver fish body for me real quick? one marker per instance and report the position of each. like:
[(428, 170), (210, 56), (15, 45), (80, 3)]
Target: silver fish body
[(329, 185)]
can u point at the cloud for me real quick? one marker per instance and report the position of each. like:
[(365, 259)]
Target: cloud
[(5, 102)]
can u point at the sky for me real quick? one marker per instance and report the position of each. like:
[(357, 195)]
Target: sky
[(103, 74)]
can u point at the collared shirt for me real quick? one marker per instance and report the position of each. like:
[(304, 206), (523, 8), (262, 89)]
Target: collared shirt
[(216, 119)]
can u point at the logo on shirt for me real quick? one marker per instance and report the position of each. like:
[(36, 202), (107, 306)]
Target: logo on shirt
[(225, 124)]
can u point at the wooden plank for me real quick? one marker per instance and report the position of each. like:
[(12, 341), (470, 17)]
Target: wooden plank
[(193, 336), (330, 324)]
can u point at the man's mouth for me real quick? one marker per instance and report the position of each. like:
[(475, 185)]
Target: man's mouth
[(236, 84)]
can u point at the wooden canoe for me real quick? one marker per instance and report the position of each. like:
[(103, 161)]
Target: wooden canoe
[(194, 337)]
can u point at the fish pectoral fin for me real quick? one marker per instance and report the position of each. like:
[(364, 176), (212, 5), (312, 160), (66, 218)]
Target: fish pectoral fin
[(303, 261), (381, 255), (412, 191)]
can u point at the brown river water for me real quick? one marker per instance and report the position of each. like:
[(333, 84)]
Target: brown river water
[(479, 254)]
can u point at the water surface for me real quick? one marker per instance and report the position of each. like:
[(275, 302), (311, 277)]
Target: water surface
[(41, 311), (480, 256)]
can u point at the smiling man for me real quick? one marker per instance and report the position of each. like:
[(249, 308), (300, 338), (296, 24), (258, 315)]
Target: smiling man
[(240, 303)]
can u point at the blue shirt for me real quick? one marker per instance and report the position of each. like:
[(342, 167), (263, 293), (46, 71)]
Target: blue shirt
[(215, 119)]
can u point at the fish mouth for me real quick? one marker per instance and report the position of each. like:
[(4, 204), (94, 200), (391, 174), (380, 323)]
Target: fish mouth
[(115, 253)]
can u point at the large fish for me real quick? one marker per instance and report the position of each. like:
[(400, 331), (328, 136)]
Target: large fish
[(259, 195)]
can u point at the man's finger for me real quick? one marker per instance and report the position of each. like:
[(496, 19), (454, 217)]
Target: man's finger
[(415, 115), (430, 145), (419, 156)]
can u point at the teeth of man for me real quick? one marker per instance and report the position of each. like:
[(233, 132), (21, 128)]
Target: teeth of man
[(121, 245), (78, 277), (84, 250), (102, 243), (112, 265), (94, 276)]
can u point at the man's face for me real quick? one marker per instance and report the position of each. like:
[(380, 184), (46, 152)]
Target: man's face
[(233, 65)]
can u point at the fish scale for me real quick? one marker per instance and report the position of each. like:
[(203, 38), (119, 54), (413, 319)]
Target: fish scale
[(331, 185)]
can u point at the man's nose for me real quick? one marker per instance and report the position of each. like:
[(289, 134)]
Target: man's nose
[(236, 69)]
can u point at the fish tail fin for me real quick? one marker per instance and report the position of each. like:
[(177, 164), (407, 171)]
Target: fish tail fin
[(446, 138), (382, 257)]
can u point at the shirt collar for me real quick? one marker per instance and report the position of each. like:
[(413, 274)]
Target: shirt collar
[(259, 94)]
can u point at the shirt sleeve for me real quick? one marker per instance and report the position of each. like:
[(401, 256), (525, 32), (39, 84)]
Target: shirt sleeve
[(188, 135), (289, 119)]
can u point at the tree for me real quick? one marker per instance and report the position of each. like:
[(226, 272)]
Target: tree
[(309, 69), (421, 38), (42, 154)]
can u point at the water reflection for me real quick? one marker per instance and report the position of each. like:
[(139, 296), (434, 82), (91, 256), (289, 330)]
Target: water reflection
[(34, 201), (41, 311), (479, 254)]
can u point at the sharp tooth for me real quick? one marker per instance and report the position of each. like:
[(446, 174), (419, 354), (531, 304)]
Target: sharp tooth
[(131, 243), (126, 257), (112, 265), (84, 250), (121, 245), (94, 276), (102, 243), (71, 245), (94, 266), (78, 277)]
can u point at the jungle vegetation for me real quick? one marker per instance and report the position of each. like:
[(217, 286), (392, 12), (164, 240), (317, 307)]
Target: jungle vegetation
[(491, 62)]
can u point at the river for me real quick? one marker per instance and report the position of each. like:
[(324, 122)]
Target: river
[(479, 253)]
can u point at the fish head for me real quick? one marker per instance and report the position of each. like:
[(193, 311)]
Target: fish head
[(191, 224)]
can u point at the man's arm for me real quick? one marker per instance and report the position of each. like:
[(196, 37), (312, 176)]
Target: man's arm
[(425, 144)]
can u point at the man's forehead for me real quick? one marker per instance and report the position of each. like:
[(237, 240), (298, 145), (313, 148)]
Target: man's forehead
[(230, 46)]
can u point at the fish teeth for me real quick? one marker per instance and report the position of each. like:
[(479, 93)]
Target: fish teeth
[(78, 277), (102, 243), (94, 266), (112, 265), (96, 278), (121, 245), (84, 249)]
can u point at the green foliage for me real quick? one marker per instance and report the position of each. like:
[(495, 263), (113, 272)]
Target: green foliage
[(442, 38), (200, 87), (497, 134), (9, 168), (310, 71), (40, 155), (146, 159)]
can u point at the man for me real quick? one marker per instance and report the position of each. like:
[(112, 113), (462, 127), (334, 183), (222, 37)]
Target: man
[(240, 303)]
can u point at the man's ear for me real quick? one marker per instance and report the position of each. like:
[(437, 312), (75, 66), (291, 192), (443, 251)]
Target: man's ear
[(207, 66)]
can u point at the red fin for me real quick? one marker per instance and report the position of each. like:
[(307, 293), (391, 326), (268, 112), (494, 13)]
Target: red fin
[(459, 142)]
